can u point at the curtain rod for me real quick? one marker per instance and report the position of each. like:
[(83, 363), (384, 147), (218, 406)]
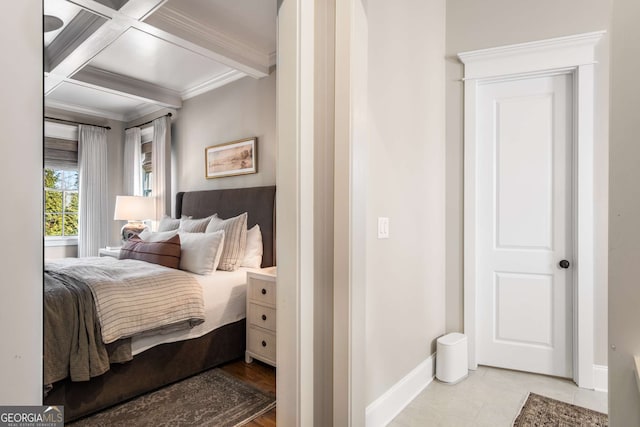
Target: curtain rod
[(146, 123), (76, 123)]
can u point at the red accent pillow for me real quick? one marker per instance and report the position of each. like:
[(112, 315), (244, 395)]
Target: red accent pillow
[(166, 253)]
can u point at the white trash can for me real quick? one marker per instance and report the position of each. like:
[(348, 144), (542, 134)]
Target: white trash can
[(451, 358)]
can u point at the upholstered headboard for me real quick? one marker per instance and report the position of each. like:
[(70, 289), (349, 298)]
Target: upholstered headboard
[(258, 202)]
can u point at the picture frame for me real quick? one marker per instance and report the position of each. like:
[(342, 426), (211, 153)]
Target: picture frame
[(232, 158)]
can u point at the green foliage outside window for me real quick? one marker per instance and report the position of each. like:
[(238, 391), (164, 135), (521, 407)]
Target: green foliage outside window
[(61, 202)]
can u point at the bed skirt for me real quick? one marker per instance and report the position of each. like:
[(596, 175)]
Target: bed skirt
[(150, 370)]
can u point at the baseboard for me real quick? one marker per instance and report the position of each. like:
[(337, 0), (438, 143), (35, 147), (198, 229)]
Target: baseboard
[(385, 408), (600, 378)]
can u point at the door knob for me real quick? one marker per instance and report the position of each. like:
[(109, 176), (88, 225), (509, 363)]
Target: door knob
[(564, 264)]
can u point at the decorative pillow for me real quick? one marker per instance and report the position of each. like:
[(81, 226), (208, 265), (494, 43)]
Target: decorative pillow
[(158, 236), (235, 239), (201, 251), (190, 225), (253, 251), (165, 252), (168, 224)]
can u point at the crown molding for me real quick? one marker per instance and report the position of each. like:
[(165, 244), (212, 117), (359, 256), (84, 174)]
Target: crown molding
[(141, 111), (216, 82), (104, 114)]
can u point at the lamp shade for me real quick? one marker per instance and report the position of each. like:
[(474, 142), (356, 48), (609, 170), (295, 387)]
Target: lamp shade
[(134, 208)]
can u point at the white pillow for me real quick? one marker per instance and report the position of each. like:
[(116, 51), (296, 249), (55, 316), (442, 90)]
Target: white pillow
[(167, 223), (235, 239), (158, 236), (190, 225), (201, 252), (253, 251)]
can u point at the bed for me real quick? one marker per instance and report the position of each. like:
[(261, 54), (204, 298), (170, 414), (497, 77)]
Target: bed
[(184, 353)]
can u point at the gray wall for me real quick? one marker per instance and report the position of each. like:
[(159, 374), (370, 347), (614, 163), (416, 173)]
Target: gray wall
[(242, 109), (624, 214), (472, 25), (21, 171), (405, 290)]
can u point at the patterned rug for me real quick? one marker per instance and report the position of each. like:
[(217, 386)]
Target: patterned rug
[(541, 411), (213, 398)]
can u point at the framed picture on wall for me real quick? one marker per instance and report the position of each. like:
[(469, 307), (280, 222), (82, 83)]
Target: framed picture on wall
[(233, 158)]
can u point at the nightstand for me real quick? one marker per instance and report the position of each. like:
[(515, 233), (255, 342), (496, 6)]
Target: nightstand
[(109, 251), (261, 316)]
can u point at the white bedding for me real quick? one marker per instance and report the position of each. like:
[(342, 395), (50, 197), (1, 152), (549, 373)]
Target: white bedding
[(224, 295)]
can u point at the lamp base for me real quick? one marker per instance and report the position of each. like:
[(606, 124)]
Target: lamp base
[(131, 229)]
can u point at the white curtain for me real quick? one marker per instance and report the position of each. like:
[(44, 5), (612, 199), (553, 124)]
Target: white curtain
[(92, 170), (132, 162), (160, 166)]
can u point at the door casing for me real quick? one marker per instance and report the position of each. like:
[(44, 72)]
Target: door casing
[(575, 55)]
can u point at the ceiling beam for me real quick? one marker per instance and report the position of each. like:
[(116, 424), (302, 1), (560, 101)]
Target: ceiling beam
[(173, 26), (128, 86), (141, 9), (81, 27)]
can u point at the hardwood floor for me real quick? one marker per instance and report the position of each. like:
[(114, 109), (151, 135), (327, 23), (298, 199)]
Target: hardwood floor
[(261, 376)]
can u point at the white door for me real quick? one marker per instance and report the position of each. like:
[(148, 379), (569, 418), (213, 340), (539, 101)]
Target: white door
[(524, 224)]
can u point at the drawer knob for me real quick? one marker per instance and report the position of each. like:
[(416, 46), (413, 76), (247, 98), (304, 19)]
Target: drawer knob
[(264, 317), (264, 343), (264, 291)]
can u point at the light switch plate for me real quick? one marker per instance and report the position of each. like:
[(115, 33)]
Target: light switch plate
[(383, 228)]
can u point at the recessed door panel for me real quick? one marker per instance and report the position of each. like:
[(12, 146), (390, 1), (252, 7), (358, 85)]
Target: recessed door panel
[(524, 309), (524, 154)]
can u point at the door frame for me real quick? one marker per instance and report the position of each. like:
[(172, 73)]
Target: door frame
[(320, 156), (575, 55)]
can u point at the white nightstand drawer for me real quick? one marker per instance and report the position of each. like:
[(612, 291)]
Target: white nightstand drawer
[(263, 291), (262, 343), (262, 316)]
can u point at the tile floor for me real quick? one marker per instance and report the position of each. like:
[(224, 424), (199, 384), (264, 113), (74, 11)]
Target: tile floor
[(489, 397)]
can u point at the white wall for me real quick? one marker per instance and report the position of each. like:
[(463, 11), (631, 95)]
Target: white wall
[(624, 215), (472, 25), (21, 171), (405, 291), (242, 109)]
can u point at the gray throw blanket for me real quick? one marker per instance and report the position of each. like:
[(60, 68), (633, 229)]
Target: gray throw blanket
[(73, 345)]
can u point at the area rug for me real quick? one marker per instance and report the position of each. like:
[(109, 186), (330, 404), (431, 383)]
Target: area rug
[(541, 411), (213, 398)]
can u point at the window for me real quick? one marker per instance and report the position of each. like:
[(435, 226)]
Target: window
[(60, 184), (147, 172), (61, 202)]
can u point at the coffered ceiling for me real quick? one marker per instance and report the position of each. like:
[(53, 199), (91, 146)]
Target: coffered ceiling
[(122, 59)]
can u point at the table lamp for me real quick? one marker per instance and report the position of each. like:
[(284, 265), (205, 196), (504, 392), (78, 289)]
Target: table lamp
[(134, 210)]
